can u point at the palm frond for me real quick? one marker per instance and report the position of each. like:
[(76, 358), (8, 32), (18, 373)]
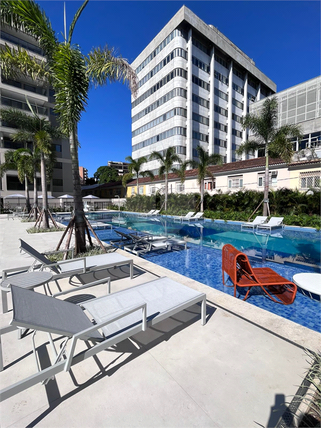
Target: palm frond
[(249, 146), (71, 85), (75, 19), (16, 62), (103, 66), (28, 15)]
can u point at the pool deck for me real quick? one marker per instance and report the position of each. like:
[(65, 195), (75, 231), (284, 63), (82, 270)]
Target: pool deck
[(238, 370)]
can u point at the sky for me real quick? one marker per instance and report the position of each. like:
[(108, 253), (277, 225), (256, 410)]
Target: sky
[(282, 37)]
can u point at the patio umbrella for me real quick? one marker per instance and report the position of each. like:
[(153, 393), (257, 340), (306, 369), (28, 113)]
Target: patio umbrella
[(49, 197), (65, 197), (15, 196), (91, 197)]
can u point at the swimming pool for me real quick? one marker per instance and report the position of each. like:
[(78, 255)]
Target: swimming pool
[(288, 251)]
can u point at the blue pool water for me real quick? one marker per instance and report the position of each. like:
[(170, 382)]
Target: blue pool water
[(287, 251)]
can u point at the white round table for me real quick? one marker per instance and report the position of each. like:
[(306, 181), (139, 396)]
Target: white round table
[(310, 283)]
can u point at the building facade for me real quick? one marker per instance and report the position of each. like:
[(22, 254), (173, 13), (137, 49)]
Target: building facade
[(120, 167), (83, 174), (301, 105), (194, 87), (13, 94), (237, 176)]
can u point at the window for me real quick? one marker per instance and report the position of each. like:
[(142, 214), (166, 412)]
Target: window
[(310, 179), (209, 185), (58, 165), (57, 182), (200, 82), (235, 182), (141, 190), (133, 191), (180, 187), (273, 180), (57, 148), (152, 190)]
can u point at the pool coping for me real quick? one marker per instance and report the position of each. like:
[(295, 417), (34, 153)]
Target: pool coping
[(285, 329)]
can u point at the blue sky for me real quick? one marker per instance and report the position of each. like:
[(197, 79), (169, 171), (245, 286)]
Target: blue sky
[(282, 37)]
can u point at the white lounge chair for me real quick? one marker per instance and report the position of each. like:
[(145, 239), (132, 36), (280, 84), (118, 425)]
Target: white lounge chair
[(117, 317), (197, 216), (184, 217), (273, 223), (260, 219)]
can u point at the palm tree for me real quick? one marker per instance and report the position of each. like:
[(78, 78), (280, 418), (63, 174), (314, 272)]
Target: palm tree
[(276, 142), (205, 160), (181, 170), (40, 132), (19, 161), (70, 72), (167, 162), (135, 166)]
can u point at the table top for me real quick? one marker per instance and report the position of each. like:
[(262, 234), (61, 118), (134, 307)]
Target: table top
[(28, 279), (309, 282)]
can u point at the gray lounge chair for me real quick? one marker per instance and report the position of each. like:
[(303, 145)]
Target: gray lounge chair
[(117, 317), (260, 219), (148, 243), (70, 267)]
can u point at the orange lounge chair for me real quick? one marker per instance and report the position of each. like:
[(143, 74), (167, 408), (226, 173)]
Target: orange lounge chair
[(238, 268)]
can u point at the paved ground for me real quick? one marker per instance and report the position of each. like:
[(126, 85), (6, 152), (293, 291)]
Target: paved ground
[(238, 370)]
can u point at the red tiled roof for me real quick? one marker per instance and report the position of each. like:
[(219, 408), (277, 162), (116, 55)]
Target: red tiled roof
[(225, 168)]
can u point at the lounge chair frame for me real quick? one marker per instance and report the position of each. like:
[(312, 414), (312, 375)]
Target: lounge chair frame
[(74, 324), (273, 223), (237, 266)]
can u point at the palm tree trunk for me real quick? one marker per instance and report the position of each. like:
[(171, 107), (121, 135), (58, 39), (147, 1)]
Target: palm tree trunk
[(27, 194), (80, 238), (35, 195), (45, 221), (166, 190), (137, 185), (266, 184), (202, 195)]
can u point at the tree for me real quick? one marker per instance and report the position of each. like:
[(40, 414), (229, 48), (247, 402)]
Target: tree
[(135, 166), (70, 72), (40, 132), (19, 161), (105, 174), (205, 160), (276, 142), (167, 162), (181, 170)]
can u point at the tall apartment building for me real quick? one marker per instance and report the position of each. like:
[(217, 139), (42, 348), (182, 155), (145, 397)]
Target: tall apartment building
[(13, 94), (120, 167), (83, 174), (194, 87), (301, 105)]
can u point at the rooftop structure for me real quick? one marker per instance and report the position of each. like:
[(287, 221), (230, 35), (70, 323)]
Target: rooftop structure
[(194, 87), (301, 105)]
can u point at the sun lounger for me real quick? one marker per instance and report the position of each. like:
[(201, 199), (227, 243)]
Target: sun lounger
[(260, 219), (241, 273), (117, 317), (273, 223), (197, 216), (70, 267), (184, 217)]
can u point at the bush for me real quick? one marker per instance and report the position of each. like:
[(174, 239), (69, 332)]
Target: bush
[(297, 208)]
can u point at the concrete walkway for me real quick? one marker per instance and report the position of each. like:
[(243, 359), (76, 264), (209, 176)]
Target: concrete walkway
[(238, 370)]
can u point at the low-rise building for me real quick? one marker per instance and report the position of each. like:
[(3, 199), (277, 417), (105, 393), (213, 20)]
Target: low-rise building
[(240, 175)]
